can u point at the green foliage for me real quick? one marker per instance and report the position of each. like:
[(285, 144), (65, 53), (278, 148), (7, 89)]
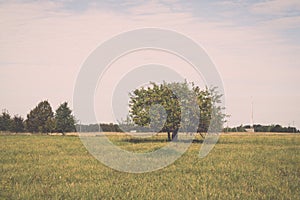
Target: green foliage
[(41, 120), (110, 127), (263, 128), (50, 124), (37, 118), (64, 120), (96, 127), (142, 100), (240, 128), (5, 121), (201, 108), (239, 167), (211, 111), (17, 124)]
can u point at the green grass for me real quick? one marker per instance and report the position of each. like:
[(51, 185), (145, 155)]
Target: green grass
[(239, 167)]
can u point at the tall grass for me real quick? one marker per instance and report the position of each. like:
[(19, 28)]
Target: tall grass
[(239, 167)]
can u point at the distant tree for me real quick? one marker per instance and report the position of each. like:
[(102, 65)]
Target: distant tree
[(88, 128), (259, 128), (17, 124), (241, 128), (37, 118), (5, 121), (65, 121), (277, 128), (265, 128), (126, 125), (291, 129)]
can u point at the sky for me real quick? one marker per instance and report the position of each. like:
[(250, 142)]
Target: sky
[(255, 46)]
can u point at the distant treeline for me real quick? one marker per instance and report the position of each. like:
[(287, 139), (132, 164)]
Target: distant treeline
[(41, 119), (263, 128), (96, 127), (110, 127)]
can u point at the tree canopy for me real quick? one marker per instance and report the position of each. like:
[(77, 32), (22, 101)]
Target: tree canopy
[(160, 107), (17, 124), (37, 118), (5, 121), (40, 119), (65, 121)]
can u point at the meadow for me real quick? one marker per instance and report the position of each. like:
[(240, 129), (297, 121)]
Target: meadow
[(239, 167)]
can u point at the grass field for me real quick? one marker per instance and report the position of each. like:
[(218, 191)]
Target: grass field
[(239, 167)]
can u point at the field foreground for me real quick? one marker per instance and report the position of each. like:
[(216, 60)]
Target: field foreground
[(239, 167)]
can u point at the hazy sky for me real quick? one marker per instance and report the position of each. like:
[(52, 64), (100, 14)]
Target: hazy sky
[(255, 46)]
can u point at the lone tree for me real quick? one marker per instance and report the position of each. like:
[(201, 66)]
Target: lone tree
[(201, 108), (64, 120), (37, 118)]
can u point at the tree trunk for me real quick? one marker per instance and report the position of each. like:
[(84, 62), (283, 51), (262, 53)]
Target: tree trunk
[(175, 135), (201, 135), (169, 136)]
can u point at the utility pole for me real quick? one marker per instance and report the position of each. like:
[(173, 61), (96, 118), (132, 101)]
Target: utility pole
[(252, 114), (79, 126), (252, 121), (227, 127)]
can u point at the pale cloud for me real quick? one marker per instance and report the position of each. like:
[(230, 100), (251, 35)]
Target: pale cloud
[(149, 8), (276, 7), (282, 23)]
